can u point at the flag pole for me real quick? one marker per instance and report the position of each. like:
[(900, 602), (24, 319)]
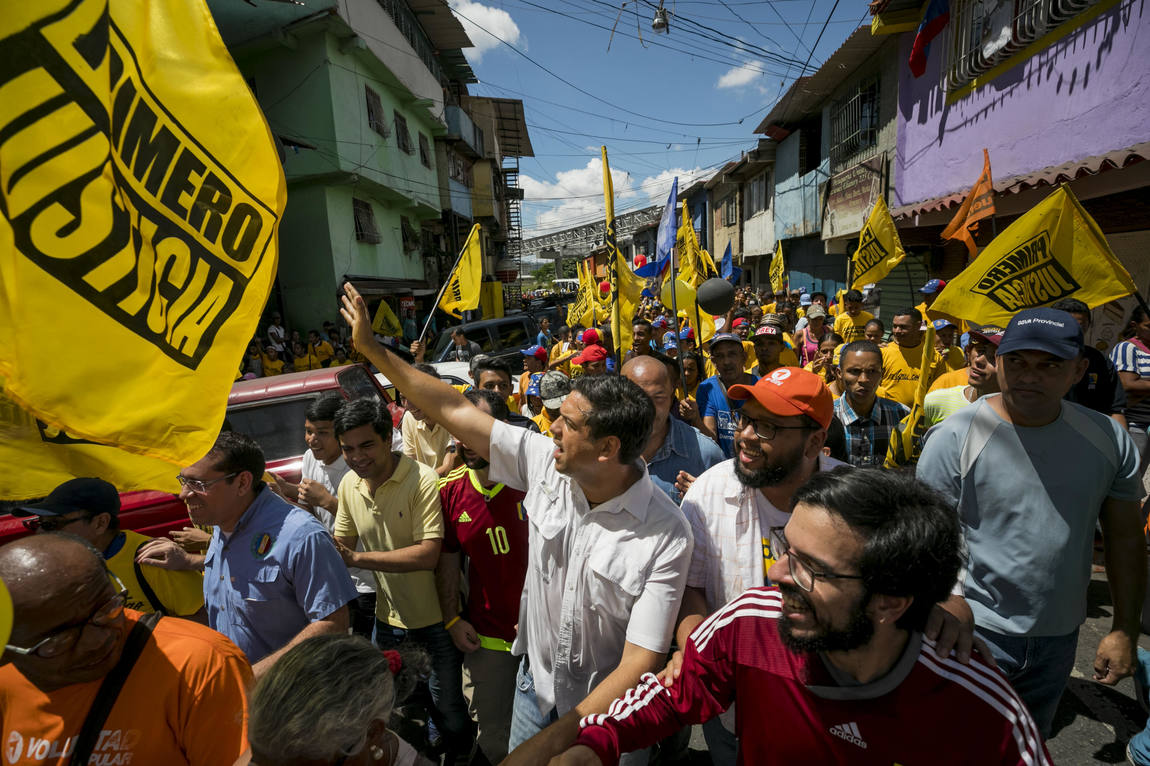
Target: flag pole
[(439, 296), (675, 311)]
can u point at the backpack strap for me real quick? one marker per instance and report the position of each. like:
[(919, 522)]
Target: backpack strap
[(110, 688), (153, 599)]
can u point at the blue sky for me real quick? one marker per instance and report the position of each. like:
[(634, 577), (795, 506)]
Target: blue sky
[(757, 49)]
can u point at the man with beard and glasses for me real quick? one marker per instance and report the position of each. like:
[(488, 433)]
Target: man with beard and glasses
[(832, 665), (484, 521), (778, 446)]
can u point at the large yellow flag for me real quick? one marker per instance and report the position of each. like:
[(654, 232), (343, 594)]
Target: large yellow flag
[(582, 311), (695, 267), (880, 249), (778, 270), (626, 287), (1054, 251), (140, 197), (462, 290)]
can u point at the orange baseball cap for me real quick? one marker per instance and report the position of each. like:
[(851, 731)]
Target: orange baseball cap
[(790, 391)]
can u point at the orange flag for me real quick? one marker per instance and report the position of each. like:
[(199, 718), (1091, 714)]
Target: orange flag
[(978, 204)]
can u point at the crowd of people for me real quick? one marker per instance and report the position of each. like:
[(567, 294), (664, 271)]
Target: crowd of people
[(576, 565)]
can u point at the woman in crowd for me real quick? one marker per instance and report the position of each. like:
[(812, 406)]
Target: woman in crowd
[(329, 702), (823, 363), (807, 340)]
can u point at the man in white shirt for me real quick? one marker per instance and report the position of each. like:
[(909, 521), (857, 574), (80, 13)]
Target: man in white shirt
[(323, 467), (607, 551)]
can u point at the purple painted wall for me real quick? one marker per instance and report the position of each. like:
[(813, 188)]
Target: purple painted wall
[(1085, 95)]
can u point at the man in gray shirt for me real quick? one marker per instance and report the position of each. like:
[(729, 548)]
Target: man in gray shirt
[(1031, 475)]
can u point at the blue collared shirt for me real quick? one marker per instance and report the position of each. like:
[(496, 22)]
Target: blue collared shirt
[(274, 574), (684, 449)]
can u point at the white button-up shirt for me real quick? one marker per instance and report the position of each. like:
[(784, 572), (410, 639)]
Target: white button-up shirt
[(596, 577)]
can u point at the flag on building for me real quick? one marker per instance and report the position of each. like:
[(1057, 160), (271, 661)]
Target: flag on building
[(879, 250), (385, 322), (1053, 251), (462, 290), (935, 19), (906, 439), (979, 204), (139, 212), (729, 271), (665, 240), (778, 270), (626, 286)]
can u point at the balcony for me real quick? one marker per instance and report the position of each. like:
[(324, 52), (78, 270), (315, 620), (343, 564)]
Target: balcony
[(460, 127)]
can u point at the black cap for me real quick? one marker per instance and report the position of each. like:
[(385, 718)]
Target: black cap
[(93, 496)]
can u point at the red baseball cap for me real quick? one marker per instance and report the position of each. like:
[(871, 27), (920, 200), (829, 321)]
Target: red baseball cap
[(590, 336), (595, 353), (790, 391)]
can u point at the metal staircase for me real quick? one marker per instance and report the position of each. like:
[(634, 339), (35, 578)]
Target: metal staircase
[(513, 198)]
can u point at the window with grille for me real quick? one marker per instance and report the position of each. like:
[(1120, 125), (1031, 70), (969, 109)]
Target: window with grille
[(730, 211), (984, 33), (424, 151), (375, 119), (755, 198), (402, 137), (365, 228), (458, 168), (854, 124)]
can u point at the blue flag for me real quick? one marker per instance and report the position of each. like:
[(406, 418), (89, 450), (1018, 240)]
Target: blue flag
[(668, 227), (728, 269)]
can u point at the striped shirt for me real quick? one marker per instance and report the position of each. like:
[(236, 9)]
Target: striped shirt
[(1127, 357), (868, 437), (923, 710)]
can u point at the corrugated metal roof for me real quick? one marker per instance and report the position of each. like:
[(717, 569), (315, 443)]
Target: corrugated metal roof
[(1051, 176), (510, 123), (806, 94), (442, 27)]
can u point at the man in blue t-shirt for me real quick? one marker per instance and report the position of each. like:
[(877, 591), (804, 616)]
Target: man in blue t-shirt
[(717, 410)]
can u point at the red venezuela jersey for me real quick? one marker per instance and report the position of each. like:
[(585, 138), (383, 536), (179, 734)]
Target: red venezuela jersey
[(490, 527), (790, 710)]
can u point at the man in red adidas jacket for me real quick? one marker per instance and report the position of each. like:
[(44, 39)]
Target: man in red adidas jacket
[(831, 666)]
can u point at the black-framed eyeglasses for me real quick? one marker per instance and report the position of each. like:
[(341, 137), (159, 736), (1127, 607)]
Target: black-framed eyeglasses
[(764, 429), (52, 523), (802, 572), (200, 487), (61, 641)]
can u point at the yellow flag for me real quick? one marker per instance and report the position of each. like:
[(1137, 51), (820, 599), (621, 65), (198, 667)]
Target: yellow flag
[(906, 438), (626, 287), (1054, 251), (778, 270), (37, 458), (385, 322), (462, 291), (140, 197), (880, 249), (582, 311)]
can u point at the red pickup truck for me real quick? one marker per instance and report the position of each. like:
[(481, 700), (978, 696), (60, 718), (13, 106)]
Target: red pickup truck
[(271, 410)]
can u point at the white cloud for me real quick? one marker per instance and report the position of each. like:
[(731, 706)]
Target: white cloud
[(737, 77), (576, 196), (496, 21)]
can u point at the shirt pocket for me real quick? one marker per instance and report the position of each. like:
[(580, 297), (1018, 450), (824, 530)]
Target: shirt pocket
[(613, 588), (264, 589)]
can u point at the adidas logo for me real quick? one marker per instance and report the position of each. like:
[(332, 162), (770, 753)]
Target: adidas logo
[(849, 732), (464, 518)]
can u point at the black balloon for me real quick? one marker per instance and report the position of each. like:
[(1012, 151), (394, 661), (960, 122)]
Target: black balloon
[(716, 296)]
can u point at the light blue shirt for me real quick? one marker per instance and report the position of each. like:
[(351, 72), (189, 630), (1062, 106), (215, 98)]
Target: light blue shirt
[(712, 398), (684, 449), (277, 572)]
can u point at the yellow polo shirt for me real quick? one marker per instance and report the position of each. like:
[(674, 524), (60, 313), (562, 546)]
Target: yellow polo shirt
[(852, 328), (423, 442), (404, 511)]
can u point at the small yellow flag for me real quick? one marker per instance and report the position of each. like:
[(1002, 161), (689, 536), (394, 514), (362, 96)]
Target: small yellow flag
[(385, 322), (906, 438), (140, 197), (626, 287), (1054, 251), (879, 248), (778, 270), (462, 292)]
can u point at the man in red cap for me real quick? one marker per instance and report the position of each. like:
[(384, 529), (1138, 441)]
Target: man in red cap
[(593, 359), (778, 439)]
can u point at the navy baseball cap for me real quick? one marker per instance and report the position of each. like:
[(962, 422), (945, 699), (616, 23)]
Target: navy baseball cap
[(933, 286), (93, 496), (1049, 330), (723, 337)]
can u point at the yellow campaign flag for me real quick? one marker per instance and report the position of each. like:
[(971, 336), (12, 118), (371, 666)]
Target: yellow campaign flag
[(582, 311), (140, 198), (37, 458), (906, 439), (778, 270), (626, 287), (1054, 251), (880, 249), (385, 322), (462, 290)]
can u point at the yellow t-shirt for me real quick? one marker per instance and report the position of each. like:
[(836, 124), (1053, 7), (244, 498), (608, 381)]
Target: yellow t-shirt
[(543, 420), (422, 442), (273, 367), (180, 593), (404, 510), (959, 377), (954, 359), (901, 368), (852, 328), (318, 354)]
